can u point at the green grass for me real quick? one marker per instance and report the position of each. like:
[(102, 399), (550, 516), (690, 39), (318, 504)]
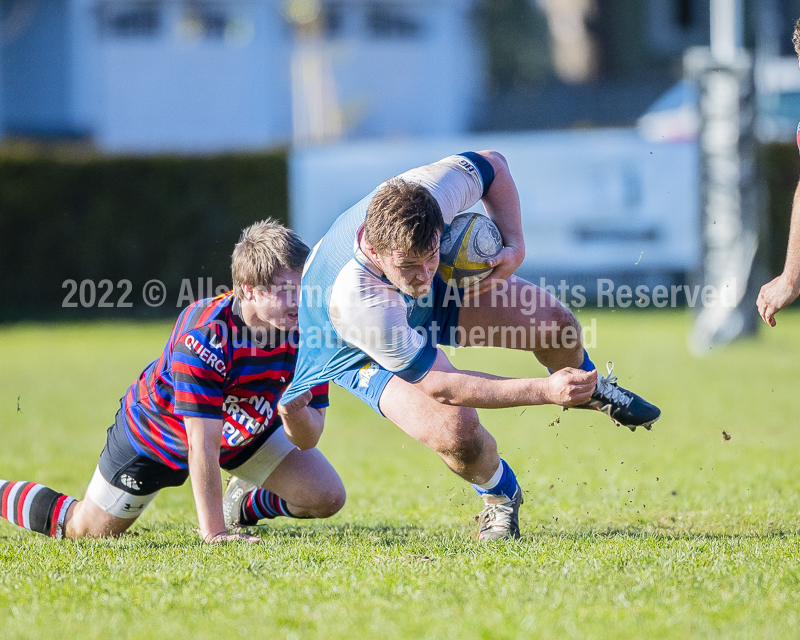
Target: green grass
[(672, 533)]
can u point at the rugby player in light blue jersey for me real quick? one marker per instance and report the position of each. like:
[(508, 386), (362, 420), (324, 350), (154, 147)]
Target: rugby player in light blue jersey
[(373, 310)]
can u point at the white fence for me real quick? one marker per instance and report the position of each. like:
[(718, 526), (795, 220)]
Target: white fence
[(593, 202)]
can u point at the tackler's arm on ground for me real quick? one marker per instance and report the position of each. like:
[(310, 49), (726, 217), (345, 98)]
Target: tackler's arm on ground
[(783, 290), (448, 385), (302, 424), (204, 436), (502, 204)]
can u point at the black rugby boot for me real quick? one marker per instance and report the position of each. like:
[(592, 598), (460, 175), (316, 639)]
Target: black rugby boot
[(624, 407)]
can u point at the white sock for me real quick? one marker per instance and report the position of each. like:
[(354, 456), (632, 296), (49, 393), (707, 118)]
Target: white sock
[(494, 480)]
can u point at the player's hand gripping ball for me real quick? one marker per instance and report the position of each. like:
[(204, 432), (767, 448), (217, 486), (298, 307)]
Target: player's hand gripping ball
[(465, 247)]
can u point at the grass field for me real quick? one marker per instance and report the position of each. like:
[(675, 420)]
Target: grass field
[(672, 533)]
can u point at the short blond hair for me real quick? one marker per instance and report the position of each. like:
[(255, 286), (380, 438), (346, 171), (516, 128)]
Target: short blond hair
[(403, 216), (796, 37), (264, 248)]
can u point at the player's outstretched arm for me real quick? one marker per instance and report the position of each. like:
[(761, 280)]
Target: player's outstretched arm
[(784, 289), (204, 438), (502, 205), (302, 424), (448, 385)]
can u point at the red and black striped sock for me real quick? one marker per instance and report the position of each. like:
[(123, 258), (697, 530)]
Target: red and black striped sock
[(34, 507), (264, 504)]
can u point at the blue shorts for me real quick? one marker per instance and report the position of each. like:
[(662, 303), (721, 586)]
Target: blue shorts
[(368, 380)]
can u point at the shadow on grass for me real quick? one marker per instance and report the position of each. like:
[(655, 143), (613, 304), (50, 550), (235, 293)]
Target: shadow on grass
[(652, 533), (402, 534), (381, 533), (163, 535), (166, 536)]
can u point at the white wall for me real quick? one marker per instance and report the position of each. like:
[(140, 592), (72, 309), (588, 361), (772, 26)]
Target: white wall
[(170, 93), (36, 91), (408, 85), (175, 92), (85, 81)]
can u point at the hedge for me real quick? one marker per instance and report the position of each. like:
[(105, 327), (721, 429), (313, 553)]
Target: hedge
[(119, 218), (176, 219)]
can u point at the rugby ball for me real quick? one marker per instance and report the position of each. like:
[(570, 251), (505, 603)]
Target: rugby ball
[(464, 248)]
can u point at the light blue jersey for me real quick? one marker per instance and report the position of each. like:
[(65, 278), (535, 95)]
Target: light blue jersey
[(356, 324)]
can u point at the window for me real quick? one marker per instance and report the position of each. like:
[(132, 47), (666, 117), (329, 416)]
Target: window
[(674, 25), (201, 20), (142, 20), (391, 21), (684, 13), (334, 18)]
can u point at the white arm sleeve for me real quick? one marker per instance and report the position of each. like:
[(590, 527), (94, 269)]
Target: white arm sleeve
[(370, 315)]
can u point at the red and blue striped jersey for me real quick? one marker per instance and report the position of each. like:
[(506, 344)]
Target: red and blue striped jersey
[(214, 366)]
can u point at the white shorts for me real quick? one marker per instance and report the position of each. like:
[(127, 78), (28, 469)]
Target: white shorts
[(118, 502)]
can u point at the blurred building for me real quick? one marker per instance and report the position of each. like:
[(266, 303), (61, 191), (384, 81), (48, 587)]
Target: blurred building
[(209, 75)]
